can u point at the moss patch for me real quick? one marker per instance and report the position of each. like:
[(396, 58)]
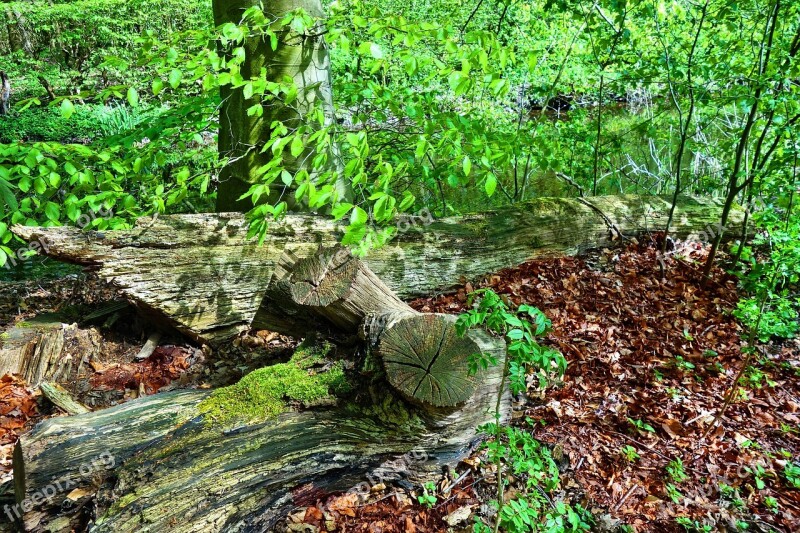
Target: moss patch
[(264, 393)]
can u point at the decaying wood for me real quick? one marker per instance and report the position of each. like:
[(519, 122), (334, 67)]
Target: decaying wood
[(45, 349), (61, 398), (205, 276), (424, 359), (175, 471)]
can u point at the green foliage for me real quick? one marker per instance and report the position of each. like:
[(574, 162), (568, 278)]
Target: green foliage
[(673, 493), (47, 124), (529, 460), (520, 329), (641, 425), (675, 470), (771, 504), (629, 453), (514, 450), (759, 473), (428, 497), (693, 526), (792, 474)]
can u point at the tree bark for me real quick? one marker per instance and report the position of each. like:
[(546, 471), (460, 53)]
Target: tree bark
[(175, 468), (202, 275), (424, 358), (303, 58), (45, 349)]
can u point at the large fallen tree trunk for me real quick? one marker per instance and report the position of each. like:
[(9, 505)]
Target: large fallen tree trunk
[(178, 467), (205, 276), (196, 477)]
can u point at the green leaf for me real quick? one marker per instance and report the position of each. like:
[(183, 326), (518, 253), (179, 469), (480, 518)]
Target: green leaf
[(297, 146), (247, 90), (491, 184), (467, 166), (358, 217), (67, 109), (39, 185), (133, 97), (52, 211), (175, 78), (341, 210)]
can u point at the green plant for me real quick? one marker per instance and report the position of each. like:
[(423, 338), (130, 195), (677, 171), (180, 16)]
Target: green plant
[(683, 364), (758, 473), (771, 504), (629, 453), (513, 450), (428, 497), (673, 493), (731, 494), (791, 471), (676, 471), (641, 425), (755, 377), (674, 393), (693, 525)]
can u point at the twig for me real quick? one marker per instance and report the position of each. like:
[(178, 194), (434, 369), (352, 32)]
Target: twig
[(625, 497)]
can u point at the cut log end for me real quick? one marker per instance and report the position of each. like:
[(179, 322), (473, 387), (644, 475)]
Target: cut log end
[(427, 361), (322, 278)]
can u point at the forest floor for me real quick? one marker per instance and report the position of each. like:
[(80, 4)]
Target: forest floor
[(651, 360)]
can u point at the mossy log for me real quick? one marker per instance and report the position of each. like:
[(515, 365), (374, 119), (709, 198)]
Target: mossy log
[(160, 464), (202, 274), (424, 358)]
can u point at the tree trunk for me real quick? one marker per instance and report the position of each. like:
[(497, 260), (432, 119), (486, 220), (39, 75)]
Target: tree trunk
[(424, 359), (206, 278), (302, 58), (175, 469)]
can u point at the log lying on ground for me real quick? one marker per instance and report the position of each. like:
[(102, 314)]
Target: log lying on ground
[(205, 276), (178, 470), (173, 470), (423, 357)]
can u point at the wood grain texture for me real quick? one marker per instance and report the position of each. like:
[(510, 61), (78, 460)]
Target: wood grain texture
[(172, 471), (427, 361), (205, 276)]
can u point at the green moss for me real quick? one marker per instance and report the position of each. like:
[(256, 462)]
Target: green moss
[(263, 393)]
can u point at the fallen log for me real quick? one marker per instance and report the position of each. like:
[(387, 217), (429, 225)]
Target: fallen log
[(180, 466), (175, 470), (206, 278), (424, 359)]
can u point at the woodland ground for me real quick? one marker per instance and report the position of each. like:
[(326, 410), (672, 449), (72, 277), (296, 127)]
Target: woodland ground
[(651, 359)]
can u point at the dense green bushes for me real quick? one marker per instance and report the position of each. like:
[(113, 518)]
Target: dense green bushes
[(47, 124)]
